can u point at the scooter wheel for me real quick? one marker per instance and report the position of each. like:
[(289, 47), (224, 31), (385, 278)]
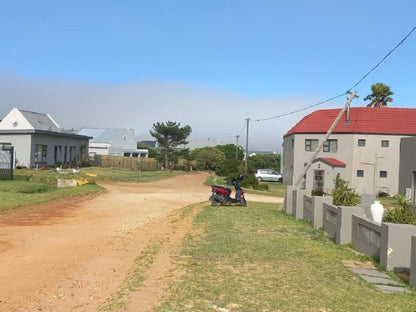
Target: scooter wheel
[(215, 203), (243, 202)]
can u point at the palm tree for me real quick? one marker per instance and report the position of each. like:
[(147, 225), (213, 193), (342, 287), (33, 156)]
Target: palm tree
[(380, 96)]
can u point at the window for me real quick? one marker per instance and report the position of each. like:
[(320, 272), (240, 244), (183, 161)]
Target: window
[(58, 153), (72, 153), (383, 174), (311, 145), (5, 146), (384, 143), (361, 142), (40, 152), (330, 146), (360, 173)]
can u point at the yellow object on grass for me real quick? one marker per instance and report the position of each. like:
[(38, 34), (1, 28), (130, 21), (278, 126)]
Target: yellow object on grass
[(82, 182), (91, 174)]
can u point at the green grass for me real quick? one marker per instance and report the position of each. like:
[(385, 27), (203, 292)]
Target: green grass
[(19, 194), (134, 280), (260, 259), (32, 187), (118, 301)]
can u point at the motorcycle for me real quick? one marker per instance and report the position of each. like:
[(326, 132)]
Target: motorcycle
[(222, 195)]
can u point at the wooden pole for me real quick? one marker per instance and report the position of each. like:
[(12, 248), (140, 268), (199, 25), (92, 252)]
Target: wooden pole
[(318, 149)]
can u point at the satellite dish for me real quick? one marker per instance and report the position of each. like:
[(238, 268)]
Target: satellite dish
[(14, 122)]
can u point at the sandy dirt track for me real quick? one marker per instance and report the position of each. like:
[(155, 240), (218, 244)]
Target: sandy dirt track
[(73, 255)]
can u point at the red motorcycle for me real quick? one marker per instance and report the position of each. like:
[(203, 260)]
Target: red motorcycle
[(222, 196)]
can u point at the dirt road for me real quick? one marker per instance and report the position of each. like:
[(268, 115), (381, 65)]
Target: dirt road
[(73, 255)]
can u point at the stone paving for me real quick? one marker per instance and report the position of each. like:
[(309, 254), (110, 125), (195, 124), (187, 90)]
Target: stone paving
[(381, 281)]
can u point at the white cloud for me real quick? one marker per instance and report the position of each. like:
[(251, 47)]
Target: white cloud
[(211, 113)]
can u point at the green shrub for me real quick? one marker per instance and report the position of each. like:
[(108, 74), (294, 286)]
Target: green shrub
[(342, 195), (401, 213), (227, 167), (262, 187)]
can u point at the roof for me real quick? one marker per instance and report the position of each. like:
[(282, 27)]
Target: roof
[(364, 120), (330, 161), (100, 135), (41, 121)]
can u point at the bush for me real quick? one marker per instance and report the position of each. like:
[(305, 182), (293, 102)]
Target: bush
[(342, 195), (248, 180), (262, 187), (227, 167), (402, 213)]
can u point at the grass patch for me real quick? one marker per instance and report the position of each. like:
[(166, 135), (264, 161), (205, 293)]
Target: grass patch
[(32, 187), (133, 282), (20, 194), (260, 259)]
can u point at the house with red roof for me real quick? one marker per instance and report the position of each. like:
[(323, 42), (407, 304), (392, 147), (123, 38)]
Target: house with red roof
[(365, 148)]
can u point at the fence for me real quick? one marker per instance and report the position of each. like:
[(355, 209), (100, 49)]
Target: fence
[(6, 162), (394, 245), (121, 162)]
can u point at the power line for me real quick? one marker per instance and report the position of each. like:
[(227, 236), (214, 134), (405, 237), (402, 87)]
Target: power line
[(384, 58), (349, 90)]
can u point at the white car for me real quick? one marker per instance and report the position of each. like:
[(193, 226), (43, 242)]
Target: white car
[(268, 175)]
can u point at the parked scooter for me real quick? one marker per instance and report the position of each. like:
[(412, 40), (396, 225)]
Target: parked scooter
[(222, 195)]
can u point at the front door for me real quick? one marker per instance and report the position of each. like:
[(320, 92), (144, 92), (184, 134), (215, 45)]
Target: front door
[(318, 182)]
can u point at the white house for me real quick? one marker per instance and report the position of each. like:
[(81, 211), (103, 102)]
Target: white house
[(116, 142), (39, 141), (365, 148)]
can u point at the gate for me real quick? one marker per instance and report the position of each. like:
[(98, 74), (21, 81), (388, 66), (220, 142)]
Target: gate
[(6, 162)]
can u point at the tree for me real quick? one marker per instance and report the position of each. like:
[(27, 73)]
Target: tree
[(263, 161), (207, 158), (380, 96), (169, 135), (231, 151)]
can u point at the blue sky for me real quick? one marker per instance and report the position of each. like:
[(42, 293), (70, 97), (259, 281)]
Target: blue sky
[(209, 64)]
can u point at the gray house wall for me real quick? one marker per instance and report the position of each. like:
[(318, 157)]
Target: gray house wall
[(371, 158), (24, 147), (407, 168), (21, 143)]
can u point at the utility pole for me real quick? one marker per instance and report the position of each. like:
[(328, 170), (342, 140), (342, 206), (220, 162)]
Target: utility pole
[(236, 149), (246, 159), (309, 164)]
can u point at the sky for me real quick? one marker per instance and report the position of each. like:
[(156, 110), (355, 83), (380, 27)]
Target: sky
[(211, 65)]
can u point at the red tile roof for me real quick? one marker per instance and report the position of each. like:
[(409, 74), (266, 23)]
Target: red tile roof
[(366, 120), (330, 161)]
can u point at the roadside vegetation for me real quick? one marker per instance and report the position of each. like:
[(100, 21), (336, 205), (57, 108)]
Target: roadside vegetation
[(31, 187), (260, 259), (271, 188)]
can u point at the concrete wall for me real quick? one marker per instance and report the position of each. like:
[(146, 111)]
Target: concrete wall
[(298, 195), (313, 209), (337, 221), (366, 236), (407, 169), (289, 199), (413, 263), (395, 245)]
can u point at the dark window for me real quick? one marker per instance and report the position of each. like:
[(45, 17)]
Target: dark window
[(330, 146), (40, 152), (361, 142), (311, 145), (384, 143), (383, 174), (360, 173)]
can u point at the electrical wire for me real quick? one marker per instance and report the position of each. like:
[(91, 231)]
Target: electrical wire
[(349, 90)]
